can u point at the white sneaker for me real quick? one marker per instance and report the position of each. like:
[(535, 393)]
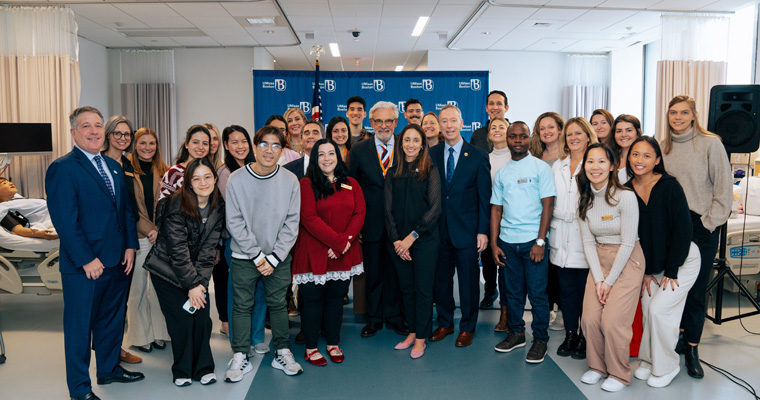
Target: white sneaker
[(208, 379), (237, 367), (643, 372), (284, 360), (591, 377), (662, 381), (261, 348), (557, 323), (612, 385), (183, 382)]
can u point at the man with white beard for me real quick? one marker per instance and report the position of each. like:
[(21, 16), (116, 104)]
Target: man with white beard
[(369, 161)]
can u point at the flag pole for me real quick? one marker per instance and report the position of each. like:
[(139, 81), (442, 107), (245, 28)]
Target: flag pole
[(316, 102)]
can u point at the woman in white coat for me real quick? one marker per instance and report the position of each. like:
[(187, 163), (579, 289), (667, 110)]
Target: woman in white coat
[(565, 246)]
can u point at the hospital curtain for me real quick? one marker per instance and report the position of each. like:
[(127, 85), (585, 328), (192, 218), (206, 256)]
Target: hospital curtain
[(693, 60), (39, 81), (587, 84), (148, 95)]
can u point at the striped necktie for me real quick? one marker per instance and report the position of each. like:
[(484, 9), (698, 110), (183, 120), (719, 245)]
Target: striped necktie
[(105, 176), (385, 158)]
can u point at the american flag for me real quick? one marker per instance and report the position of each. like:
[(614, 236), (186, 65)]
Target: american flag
[(316, 102)]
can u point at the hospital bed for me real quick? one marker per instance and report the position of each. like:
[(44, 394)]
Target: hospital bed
[(27, 265)]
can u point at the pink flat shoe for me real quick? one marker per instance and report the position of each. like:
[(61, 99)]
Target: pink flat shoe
[(417, 354), (403, 345)]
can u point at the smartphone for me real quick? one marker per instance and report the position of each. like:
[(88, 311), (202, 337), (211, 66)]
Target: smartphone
[(187, 307)]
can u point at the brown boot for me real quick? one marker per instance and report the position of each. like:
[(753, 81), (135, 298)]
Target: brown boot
[(502, 325)]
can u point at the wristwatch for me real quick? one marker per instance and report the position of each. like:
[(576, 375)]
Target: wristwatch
[(415, 235), (540, 242)]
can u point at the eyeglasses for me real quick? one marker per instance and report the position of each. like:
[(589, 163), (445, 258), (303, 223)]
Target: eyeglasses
[(121, 135), (380, 122), (273, 146)]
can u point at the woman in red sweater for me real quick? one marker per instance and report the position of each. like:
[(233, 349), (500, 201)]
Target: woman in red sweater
[(327, 253)]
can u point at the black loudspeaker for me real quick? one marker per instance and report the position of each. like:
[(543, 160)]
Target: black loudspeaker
[(734, 116)]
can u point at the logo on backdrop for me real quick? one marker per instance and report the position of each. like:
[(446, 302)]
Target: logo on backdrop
[(474, 84), (476, 126), (330, 85), (401, 107), (279, 85), (379, 85), (305, 107), (425, 84), (452, 103)]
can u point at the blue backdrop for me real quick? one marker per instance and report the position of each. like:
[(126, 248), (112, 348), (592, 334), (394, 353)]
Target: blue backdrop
[(276, 91)]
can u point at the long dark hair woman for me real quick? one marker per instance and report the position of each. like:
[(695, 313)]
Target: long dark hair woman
[(412, 209), (338, 131), (608, 216), (327, 253), (196, 145), (698, 160), (625, 130), (190, 225), (672, 259)]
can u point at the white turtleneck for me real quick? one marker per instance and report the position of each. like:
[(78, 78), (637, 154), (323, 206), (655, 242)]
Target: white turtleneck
[(498, 159)]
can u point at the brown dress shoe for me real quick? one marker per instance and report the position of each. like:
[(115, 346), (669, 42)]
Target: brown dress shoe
[(130, 358), (501, 326), (441, 333), (464, 339)]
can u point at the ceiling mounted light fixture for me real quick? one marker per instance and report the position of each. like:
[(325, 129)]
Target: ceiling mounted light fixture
[(399, 68), (334, 50), (421, 24), (258, 21)]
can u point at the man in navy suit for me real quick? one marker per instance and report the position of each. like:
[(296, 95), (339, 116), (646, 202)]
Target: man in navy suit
[(368, 163), (466, 192), (312, 131), (90, 209)]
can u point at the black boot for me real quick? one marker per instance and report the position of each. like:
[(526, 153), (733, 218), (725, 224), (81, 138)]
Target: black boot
[(568, 345), (693, 367), (579, 351), (681, 344)]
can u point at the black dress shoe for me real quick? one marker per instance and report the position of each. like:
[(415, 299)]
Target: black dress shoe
[(568, 345), (399, 327), (88, 396), (579, 352), (371, 329), (159, 344), (693, 367), (488, 299), (124, 377)]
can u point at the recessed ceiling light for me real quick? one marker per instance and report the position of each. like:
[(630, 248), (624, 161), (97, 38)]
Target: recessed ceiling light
[(261, 21), (485, 33), (334, 50), (421, 23), (399, 68)]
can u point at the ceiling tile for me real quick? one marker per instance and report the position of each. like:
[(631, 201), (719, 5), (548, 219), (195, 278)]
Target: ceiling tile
[(578, 3), (213, 22), (610, 16), (203, 41), (98, 33), (140, 10), (685, 5), (508, 12), (167, 22), (245, 9), (558, 14), (156, 41), (199, 9), (107, 15), (115, 42), (584, 26), (550, 44)]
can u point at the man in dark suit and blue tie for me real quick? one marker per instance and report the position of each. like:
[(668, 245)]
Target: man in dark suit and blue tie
[(466, 193), (90, 209), (369, 161)]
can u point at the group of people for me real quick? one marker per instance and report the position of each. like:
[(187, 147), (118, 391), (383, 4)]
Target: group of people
[(581, 213)]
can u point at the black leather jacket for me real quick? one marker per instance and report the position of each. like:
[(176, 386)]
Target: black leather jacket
[(185, 249)]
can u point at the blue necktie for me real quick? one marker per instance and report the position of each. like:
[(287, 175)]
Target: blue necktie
[(450, 167), (105, 176)]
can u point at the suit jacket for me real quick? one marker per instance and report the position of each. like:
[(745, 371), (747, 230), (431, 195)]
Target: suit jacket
[(364, 166), (296, 167), (88, 220), (480, 140), (466, 202)]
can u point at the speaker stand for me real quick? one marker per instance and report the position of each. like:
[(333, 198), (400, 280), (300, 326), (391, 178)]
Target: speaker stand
[(717, 282)]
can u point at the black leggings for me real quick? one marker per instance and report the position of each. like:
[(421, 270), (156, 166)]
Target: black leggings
[(324, 299), (693, 319), (220, 274)]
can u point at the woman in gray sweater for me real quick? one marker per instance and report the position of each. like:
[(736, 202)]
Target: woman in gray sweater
[(698, 160), (608, 216)]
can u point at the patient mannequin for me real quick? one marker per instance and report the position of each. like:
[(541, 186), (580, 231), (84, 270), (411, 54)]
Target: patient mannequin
[(15, 222)]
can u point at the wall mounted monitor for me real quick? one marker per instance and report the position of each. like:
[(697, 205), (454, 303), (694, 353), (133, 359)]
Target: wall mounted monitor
[(26, 139)]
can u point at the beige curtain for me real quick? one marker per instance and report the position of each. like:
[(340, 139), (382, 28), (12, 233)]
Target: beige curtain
[(38, 89), (693, 78), (39, 81)]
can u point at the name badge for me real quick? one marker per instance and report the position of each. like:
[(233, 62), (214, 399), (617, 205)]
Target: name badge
[(344, 186), (606, 217), (127, 173), (523, 180)]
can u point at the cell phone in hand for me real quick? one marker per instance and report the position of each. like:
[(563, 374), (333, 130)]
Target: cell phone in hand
[(187, 307)]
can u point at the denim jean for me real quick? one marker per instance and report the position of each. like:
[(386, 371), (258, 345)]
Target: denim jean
[(259, 313), (523, 276)]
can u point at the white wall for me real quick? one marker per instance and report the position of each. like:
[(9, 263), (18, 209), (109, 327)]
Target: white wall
[(533, 81), (93, 70), (627, 82)]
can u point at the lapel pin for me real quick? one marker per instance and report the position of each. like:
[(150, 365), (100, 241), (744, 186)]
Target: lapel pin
[(465, 154)]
